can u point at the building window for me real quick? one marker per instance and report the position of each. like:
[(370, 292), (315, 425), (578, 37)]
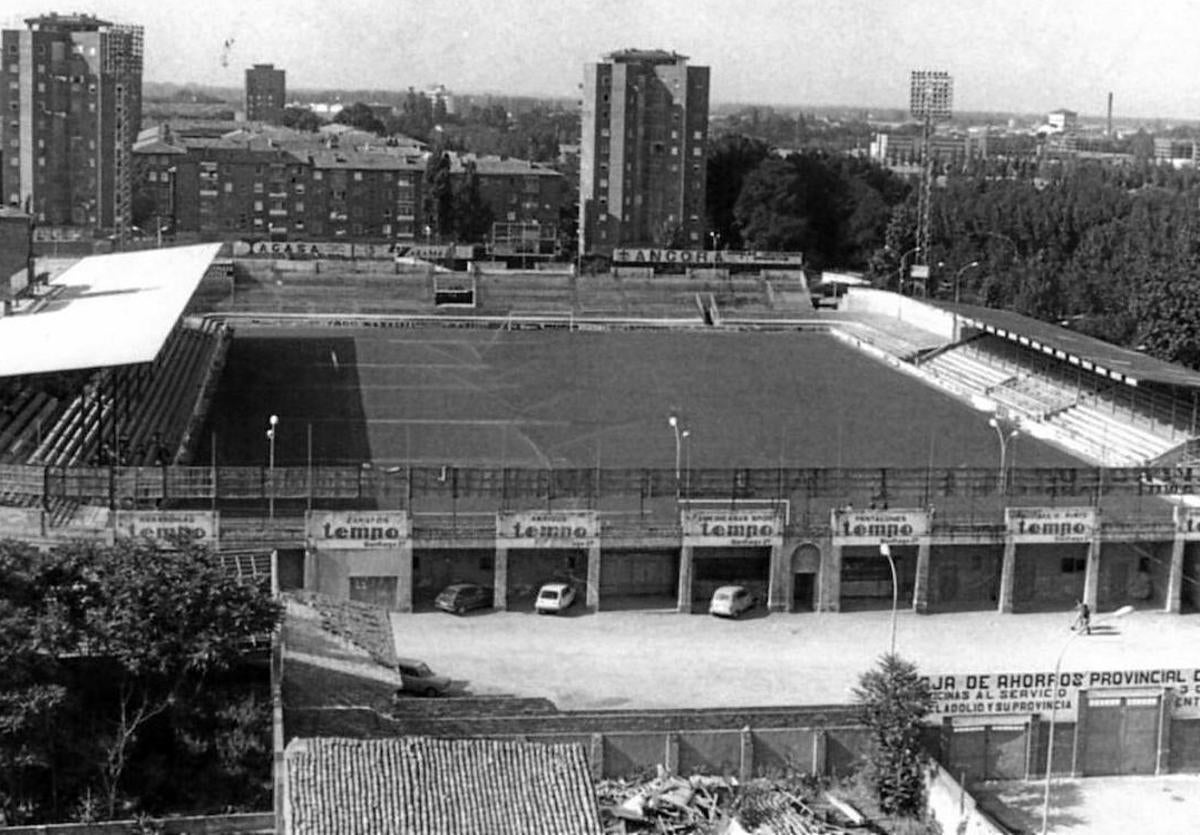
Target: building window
[(697, 135), (229, 188), (697, 151), (299, 206), (258, 205), (317, 175), (358, 176)]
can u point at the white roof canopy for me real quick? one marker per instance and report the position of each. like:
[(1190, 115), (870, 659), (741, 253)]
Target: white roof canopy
[(111, 310)]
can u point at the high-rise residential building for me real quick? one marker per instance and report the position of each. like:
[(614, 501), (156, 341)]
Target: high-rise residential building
[(266, 94), (643, 152), (71, 106)]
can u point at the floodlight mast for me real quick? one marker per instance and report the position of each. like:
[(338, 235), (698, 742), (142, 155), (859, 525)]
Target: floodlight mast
[(931, 93)]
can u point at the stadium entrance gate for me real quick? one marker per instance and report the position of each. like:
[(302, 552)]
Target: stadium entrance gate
[(1190, 597), (727, 544), (865, 541), (543, 546), (1049, 576), (638, 578), (805, 565), (964, 578), (364, 556), (436, 568)]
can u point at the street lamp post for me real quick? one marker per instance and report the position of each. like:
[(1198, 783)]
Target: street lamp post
[(673, 422), (272, 422), (886, 550), (958, 276), (715, 238), (687, 463), (1119, 613), (1005, 437), (903, 262)]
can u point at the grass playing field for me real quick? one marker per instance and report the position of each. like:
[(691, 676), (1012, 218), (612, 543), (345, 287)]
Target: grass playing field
[(468, 397)]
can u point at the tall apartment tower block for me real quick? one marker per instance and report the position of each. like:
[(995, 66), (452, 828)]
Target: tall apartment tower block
[(70, 109), (266, 94), (643, 152)]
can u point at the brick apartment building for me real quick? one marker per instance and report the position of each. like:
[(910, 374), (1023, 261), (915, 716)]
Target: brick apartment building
[(643, 152), (70, 108), (281, 184)]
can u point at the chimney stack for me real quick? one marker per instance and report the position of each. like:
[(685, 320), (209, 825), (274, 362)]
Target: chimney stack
[(1109, 128)]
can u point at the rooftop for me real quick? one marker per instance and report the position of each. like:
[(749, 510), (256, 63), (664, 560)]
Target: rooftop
[(104, 310), (645, 56), (339, 786)]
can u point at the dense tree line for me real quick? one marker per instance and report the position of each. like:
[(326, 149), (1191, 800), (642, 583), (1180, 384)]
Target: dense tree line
[(118, 687), (1112, 251), (833, 208)]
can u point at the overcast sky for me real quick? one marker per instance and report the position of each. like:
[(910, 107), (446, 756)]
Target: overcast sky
[(1017, 55)]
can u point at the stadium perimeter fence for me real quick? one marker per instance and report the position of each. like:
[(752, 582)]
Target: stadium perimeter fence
[(954, 492)]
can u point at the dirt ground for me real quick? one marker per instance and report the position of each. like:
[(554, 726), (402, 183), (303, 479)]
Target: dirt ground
[(1167, 805), (657, 658)]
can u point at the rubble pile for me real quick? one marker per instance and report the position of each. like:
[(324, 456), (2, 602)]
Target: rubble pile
[(700, 805)]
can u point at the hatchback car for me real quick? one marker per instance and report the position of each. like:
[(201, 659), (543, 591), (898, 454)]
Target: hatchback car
[(416, 677), (731, 601), (462, 597), (554, 597)]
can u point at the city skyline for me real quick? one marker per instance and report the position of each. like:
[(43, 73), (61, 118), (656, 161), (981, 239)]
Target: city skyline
[(1021, 56)]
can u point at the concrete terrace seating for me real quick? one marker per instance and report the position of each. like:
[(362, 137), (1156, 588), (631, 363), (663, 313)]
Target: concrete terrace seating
[(963, 372), (158, 414), (29, 412), (1108, 439), (165, 410)]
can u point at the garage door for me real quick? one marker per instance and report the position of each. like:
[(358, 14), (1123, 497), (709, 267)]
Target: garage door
[(1121, 735)]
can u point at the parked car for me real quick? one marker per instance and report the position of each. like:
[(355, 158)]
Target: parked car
[(416, 677), (554, 597), (731, 601), (462, 597)]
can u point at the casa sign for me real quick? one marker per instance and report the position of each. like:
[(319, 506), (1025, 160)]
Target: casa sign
[(1025, 693), (752, 527), (169, 526), (1050, 524), (548, 529), (875, 527), (356, 530)]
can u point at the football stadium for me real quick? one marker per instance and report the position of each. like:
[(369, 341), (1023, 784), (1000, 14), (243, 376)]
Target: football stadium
[(373, 432), (642, 437)]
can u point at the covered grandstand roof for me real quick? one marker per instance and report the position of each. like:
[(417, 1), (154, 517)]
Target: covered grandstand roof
[(1089, 353), (103, 311)]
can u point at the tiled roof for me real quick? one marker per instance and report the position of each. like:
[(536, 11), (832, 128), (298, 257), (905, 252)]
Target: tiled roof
[(493, 165), (337, 786), (363, 160)]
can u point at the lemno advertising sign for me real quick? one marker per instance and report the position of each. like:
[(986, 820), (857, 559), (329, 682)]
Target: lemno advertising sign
[(1050, 524), (756, 527), (548, 529), (352, 530), (874, 527)]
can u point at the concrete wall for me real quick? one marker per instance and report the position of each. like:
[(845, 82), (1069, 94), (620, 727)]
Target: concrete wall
[(953, 808), (905, 309)]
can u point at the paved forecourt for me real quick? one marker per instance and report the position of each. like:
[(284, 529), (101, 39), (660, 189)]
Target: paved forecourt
[(658, 659)]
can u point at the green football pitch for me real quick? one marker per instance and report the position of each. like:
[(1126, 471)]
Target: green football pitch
[(520, 398)]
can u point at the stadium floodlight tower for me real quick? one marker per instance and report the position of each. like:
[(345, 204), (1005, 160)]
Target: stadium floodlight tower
[(931, 94)]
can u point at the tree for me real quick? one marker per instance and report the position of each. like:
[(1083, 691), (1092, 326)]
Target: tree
[(101, 643), (361, 116), (472, 217), (730, 162), (301, 118), (893, 700), (439, 195)]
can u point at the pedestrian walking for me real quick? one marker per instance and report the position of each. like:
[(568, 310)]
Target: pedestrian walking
[(1083, 618)]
